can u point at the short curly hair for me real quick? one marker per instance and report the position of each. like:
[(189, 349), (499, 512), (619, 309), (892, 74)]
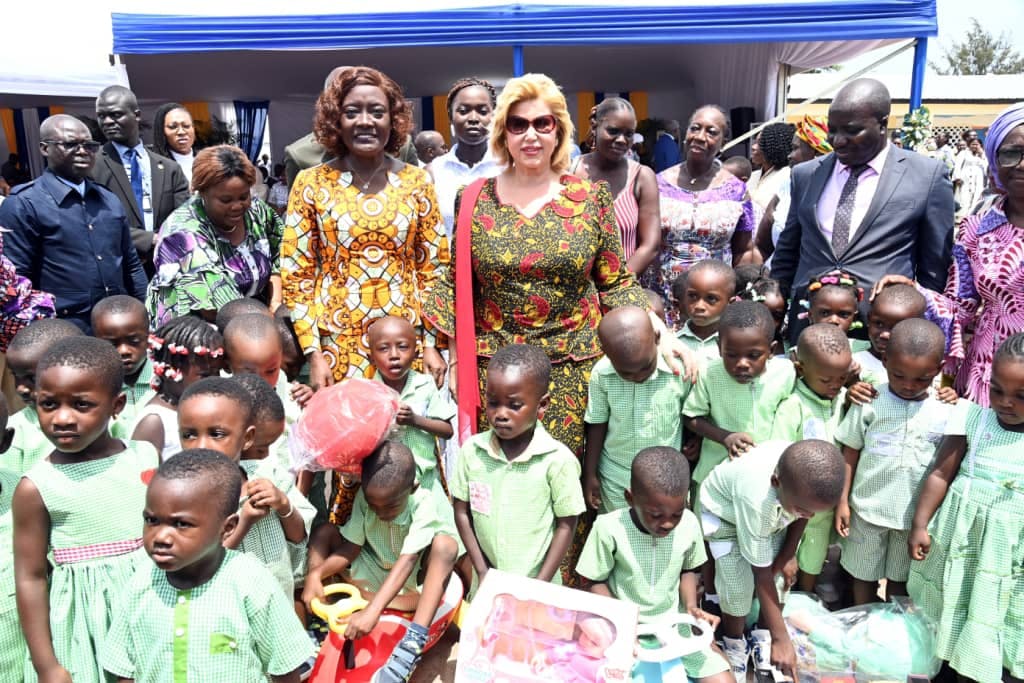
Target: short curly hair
[(214, 165), (327, 122), (523, 89)]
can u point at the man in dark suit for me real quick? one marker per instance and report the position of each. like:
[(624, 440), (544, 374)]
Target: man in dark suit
[(666, 147), (68, 235), (149, 186), (869, 207)]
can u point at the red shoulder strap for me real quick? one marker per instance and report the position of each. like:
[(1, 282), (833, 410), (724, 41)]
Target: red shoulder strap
[(468, 397)]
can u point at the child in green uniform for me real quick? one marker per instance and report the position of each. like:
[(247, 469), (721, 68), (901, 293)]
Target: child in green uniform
[(702, 294), (200, 612), (888, 307), (30, 445), (754, 511), (516, 489), (889, 445), (123, 321), (81, 509), (649, 553), (823, 360), (965, 538), (635, 401), (423, 414), (274, 518), (834, 298), (397, 529), (12, 643)]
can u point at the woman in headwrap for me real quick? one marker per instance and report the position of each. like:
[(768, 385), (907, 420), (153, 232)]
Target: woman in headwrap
[(810, 140), (770, 156), (983, 302)]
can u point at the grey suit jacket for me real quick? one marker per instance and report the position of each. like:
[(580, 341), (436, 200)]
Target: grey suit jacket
[(908, 229), (170, 190)]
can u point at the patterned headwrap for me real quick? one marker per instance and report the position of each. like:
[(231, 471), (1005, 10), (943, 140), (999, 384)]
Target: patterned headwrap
[(1010, 118), (815, 133)]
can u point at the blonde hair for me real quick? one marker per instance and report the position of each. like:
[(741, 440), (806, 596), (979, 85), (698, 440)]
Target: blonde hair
[(523, 89)]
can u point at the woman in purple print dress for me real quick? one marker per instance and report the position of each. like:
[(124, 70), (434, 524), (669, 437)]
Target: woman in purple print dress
[(705, 210), (222, 244)]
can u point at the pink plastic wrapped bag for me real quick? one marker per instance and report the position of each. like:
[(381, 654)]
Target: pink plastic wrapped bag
[(341, 425)]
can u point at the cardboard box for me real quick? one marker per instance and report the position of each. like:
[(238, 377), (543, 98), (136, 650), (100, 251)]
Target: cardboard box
[(521, 630)]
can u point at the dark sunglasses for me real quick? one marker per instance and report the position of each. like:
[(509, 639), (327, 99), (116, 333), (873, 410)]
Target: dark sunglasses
[(90, 146), (517, 125)]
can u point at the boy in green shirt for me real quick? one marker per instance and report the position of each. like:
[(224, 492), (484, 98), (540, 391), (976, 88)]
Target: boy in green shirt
[(754, 511), (123, 321), (395, 526), (888, 307), (635, 401), (823, 360), (701, 298), (650, 552)]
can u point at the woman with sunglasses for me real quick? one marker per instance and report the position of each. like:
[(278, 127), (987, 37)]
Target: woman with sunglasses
[(634, 187), (983, 302)]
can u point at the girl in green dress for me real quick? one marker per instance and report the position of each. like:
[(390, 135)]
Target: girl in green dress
[(77, 513), (967, 540)]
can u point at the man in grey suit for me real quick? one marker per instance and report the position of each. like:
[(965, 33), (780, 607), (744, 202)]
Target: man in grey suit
[(869, 207), (149, 186)]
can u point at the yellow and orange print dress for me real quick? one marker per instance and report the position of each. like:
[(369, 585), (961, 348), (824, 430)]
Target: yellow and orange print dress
[(349, 257)]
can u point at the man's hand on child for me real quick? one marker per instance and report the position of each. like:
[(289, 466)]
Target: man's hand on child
[(947, 395), (361, 623), (919, 543), (843, 518), (592, 492), (738, 443), (301, 393), (263, 494), (861, 393), (698, 613), (405, 415)]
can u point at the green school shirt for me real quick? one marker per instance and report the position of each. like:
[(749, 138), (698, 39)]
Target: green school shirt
[(741, 495), (805, 415), (737, 407), (513, 504), (638, 415), (639, 567), (421, 394), (29, 445), (235, 627), (706, 350), (136, 395), (871, 369)]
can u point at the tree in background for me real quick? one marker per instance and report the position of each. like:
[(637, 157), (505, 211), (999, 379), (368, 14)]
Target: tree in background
[(980, 53)]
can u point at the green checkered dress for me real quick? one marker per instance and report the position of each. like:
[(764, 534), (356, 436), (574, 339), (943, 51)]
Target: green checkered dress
[(737, 407), (29, 446), (514, 503), (638, 415), (13, 651), (972, 582), (235, 627), (706, 350), (265, 540), (95, 510)]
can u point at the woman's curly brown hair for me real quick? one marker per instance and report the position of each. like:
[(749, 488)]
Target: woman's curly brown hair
[(327, 122)]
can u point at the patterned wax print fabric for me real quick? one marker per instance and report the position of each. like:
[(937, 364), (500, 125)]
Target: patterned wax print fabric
[(972, 582), (95, 510), (984, 299), (19, 303), (698, 225), (198, 269), (235, 627), (350, 257)]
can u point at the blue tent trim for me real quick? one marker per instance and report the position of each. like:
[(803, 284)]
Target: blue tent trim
[(529, 24)]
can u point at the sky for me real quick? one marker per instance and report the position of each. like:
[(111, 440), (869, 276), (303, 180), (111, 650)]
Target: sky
[(995, 16)]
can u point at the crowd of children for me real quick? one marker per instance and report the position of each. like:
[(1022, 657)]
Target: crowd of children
[(150, 528)]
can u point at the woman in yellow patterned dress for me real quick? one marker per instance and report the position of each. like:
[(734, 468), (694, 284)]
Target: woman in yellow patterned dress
[(363, 236)]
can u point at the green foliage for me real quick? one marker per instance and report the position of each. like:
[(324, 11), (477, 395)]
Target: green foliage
[(980, 53), (917, 128)]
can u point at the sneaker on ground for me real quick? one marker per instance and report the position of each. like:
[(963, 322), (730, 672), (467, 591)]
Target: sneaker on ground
[(402, 662), (737, 653)]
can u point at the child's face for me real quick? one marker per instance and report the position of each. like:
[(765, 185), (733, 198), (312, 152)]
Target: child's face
[(392, 349), (183, 528), (260, 357), (911, 376), (195, 369), (1006, 393), (777, 305), (514, 402), (744, 352), (74, 407), (825, 373), (23, 366), (882, 318), (129, 333), (267, 434), (214, 422), (798, 502), (387, 505), (706, 296), (656, 513), (835, 306)]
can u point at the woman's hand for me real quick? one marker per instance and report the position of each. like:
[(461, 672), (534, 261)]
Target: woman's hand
[(890, 280), (679, 358), (434, 364), (320, 374)]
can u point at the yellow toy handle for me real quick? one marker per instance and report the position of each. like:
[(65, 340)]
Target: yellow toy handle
[(336, 614)]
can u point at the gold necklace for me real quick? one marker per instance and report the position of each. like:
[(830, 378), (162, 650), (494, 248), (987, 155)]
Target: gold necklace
[(366, 183)]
